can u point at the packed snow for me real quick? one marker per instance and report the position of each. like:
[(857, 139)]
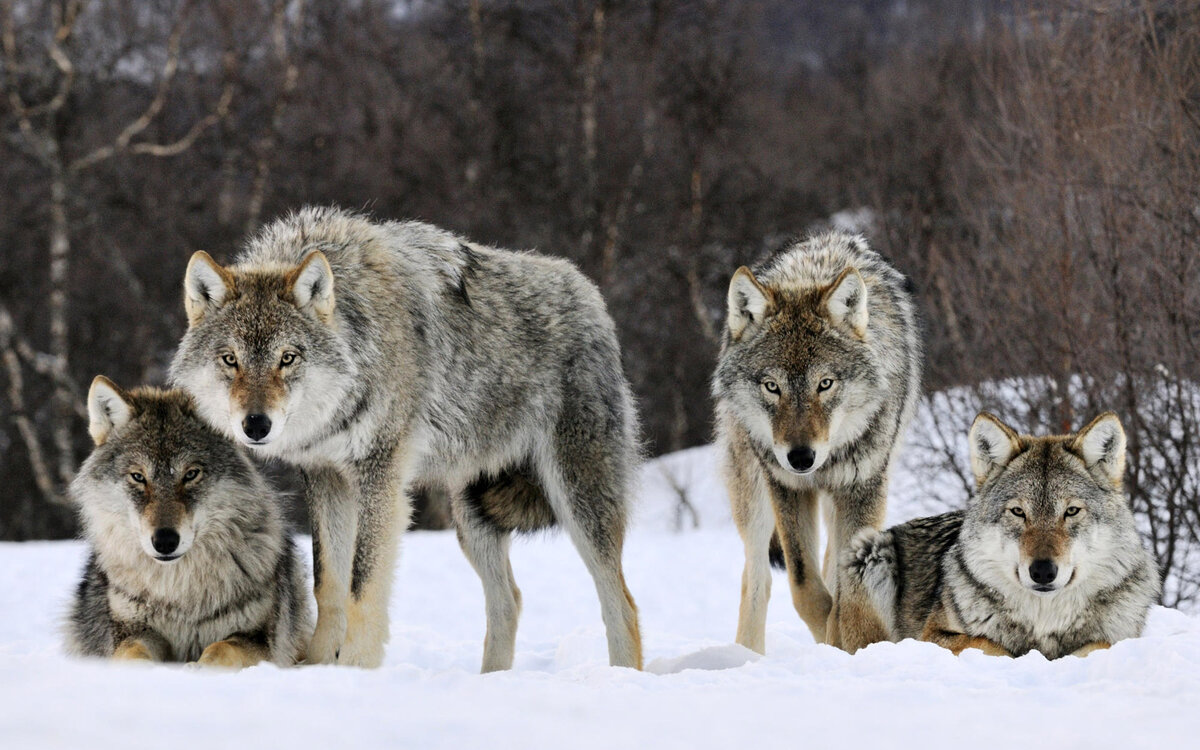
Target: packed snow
[(698, 690)]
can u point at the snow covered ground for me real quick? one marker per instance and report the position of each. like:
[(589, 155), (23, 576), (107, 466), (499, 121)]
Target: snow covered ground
[(698, 691)]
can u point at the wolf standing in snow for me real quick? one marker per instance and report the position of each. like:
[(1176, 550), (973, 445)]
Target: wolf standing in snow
[(189, 556), (383, 356), (818, 376), (1045, 557)]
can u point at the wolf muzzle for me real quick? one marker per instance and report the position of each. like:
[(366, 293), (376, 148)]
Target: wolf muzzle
[(256, 426), (1043, 572), (802, 458)]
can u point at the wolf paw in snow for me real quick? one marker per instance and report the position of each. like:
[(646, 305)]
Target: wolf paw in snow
[(325, 644)]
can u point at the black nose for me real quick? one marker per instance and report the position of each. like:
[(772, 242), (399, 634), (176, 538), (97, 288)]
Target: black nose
[(1043, 571), (256, 426), (165, 541), (802, 458)]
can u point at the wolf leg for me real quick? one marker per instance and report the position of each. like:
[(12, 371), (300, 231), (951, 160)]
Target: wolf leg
[(797, 521), (584, 488), (602, 556), (235, 652), (853, 621), (755, 520), (384, 511), (334, 516), (486, 548), (143, 647)]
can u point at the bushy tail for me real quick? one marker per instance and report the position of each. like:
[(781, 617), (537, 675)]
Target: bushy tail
[(870, 562)]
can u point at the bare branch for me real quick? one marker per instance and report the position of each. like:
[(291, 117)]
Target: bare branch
[(20, 415), (124, 141)]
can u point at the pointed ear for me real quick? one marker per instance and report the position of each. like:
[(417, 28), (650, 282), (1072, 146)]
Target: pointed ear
[(993, 445), (206, 286), (750, 303), (311, 286), (108, 408), (1101, 445), (846, 301)]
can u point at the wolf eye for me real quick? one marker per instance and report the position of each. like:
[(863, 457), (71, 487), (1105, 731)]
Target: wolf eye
[(287, 359), (771, 387), (825, 384), (229, 360), (1073, 511), (137, 477), (1017, 512), (191, 474)]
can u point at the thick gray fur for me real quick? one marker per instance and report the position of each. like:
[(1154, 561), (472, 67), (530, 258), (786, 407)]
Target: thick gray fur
[(958, 574), (239, 578), (785, 337), (494, 374)]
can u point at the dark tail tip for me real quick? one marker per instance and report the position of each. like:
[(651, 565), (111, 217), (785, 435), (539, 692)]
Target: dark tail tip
[(775, 552)]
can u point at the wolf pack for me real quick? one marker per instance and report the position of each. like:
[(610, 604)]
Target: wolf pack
[(386, 358)]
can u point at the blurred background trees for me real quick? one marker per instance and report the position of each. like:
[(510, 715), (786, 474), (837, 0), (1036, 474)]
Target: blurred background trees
[(1033, 166)]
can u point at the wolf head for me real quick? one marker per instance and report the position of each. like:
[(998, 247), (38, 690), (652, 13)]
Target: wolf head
[(260, 355), (158, 479), (1049, 512), (797, 367)]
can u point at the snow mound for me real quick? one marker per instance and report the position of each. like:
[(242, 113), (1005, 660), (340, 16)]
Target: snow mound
[(715, 657)]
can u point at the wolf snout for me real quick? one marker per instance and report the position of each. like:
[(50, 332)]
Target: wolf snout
[(165, 541), (256, 426), (802, 458), (1043, 572)]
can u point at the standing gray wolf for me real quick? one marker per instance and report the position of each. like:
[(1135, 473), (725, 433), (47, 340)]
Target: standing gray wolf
[(819, 374), (189, 557), (385, 356), (1045, 557)]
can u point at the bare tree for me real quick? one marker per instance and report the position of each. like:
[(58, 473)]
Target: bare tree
[(39, 57)]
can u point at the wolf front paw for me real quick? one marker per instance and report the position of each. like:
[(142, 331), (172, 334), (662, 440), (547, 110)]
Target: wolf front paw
[(324, 647), (133, 651), (358, 654), (1090, 647), (987, 646), (229, 655)]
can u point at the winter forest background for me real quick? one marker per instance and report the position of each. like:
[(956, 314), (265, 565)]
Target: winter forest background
[(1034, 167)]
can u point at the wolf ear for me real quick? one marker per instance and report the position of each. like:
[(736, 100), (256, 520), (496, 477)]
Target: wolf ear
[(108, 408), (993, 445), (206, 286), (1101, 445), (846, 301), (311, 285), (750, 303)]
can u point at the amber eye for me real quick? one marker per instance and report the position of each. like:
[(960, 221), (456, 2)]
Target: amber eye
[(191, 474), (771, 387), (137, 477), (229, 360), (1073, 511), (1017, 512), (287, 359), (825, 384)]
